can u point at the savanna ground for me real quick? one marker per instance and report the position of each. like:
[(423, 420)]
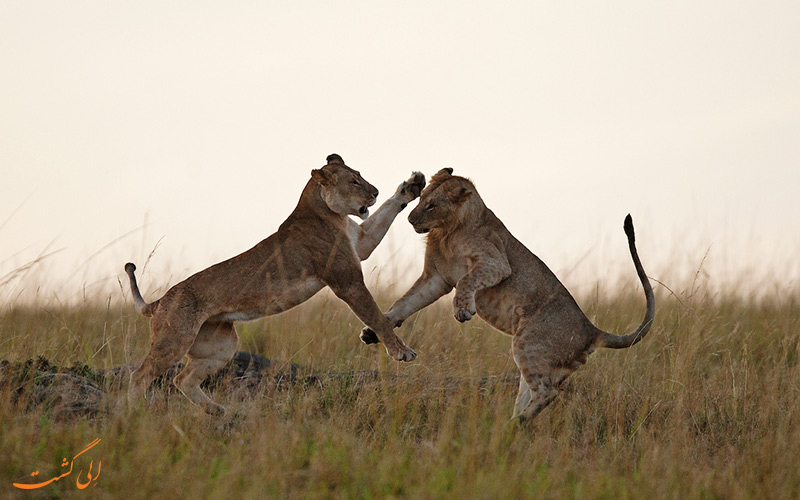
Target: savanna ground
[(705, 407)]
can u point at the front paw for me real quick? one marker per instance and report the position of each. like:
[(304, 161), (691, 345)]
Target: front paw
[(464, 308), (410, 189), (463, 315), (368, 336), (405, 354), (398, 349)]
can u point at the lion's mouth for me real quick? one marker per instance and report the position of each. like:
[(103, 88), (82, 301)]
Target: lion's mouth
[(363, 212)]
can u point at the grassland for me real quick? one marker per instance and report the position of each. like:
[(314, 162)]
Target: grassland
[(706, 407)]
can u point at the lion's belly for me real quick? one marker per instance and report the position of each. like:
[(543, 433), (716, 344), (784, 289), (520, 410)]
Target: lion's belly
[(496, 308), (292, 294), (274, 299)]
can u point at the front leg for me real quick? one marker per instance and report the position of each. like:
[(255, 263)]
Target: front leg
[(424, 292), (487, 268), (372, 230), (356, 295)]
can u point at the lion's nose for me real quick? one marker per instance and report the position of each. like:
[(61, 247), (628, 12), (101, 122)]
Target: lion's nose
[(374, 191)]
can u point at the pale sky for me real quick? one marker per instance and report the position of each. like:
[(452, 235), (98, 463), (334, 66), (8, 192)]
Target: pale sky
[(191, 128)]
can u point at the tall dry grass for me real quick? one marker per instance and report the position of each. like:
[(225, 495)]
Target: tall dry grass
[(705, 407)]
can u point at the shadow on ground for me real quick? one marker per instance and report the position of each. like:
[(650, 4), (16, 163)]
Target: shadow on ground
[(79, 391)]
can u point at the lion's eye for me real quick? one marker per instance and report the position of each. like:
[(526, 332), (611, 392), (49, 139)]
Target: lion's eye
[(430, 207), (356, 183)]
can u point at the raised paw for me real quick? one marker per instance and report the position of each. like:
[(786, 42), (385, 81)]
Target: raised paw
[(368, 336), (411, 188), (464, 307), (397, 349), (405, 354), (463, 315)]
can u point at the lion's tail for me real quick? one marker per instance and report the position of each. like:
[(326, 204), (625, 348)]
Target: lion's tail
[(621, 341), (142, 307)]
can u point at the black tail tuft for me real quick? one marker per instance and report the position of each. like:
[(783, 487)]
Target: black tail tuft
[(628, 226), (622, 341), (142, 307)]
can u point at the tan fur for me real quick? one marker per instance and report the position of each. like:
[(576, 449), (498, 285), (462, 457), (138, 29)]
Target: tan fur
[(317, 245), (496, 276)]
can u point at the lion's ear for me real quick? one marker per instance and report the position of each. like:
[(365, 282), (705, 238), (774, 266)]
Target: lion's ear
[(334, 158), (459, 195), (442, 174), (323, 177)]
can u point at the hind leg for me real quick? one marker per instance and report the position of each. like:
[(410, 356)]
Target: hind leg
[(547, 347), (171, 339), (523, 397), (542, 369), (214, 346), (539, 391)]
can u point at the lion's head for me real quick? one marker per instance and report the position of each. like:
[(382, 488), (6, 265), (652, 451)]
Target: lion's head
[(445, 203), (343, 189)]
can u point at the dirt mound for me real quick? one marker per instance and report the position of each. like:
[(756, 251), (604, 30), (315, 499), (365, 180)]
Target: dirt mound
[(78, 390), (36, 384)]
